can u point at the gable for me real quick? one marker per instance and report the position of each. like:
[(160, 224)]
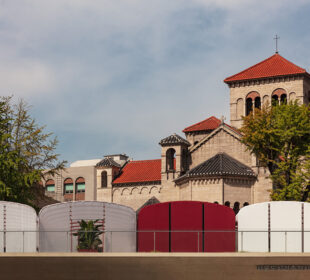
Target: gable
[(222, 140)]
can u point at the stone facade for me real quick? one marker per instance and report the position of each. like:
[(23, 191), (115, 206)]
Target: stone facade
[(171, 179), (296, 88)]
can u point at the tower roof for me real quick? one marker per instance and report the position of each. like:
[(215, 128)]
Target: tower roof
[(107, 162), (207, 124), (274, 66), (173, 139), (219, 165)]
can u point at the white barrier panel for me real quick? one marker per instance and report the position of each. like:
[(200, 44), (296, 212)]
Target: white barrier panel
[(253, 228), (307, 227), (282, 224), (285, 217), (18, 227), (121, 229), (57, 222)]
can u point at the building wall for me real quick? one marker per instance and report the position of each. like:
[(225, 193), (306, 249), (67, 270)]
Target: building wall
[(262, 187), (222, 142), (238, 190), (210, 190), (137, 195), (87, 172), (239, 91), (193, 137)]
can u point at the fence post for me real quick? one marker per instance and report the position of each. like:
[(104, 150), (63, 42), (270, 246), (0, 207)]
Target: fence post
[(23, 241), (285, 233), (111, 241), (241, 241), (154, 241), (198, 240)]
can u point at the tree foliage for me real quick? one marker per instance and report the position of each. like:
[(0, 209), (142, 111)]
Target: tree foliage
[(279, 136), (25, 151)]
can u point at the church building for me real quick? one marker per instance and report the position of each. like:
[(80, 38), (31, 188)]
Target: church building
[(209, 163)]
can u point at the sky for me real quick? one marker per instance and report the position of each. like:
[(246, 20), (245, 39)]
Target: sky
[(117, 76)]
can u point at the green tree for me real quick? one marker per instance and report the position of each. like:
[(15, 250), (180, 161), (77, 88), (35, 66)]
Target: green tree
[(25, 152), (279, 136)]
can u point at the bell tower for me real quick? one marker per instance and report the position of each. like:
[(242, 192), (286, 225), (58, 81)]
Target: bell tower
[(272, 80), (174, 154)]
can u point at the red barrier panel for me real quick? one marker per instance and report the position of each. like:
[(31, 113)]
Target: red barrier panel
[(219, 218), (198, 218), (154, 218), (186, 216)]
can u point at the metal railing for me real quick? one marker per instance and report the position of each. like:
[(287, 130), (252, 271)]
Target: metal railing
[(160, 241)]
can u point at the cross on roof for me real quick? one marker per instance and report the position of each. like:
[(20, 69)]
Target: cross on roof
[(276, 38)]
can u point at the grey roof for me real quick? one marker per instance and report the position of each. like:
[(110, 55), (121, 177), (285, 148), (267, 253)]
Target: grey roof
[(174, 139), (151, 201), (221, 165), (107, 162)]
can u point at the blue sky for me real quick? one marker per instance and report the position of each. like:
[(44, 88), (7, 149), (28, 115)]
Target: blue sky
[(117, 76)]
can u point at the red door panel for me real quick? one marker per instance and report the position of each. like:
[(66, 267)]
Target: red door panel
[(186, 216), (221, 218), (154, 218)]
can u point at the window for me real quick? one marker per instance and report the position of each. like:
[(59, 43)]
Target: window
[(252, 101), (249, 106), (68, 186), (236, 207), (80, 185), (50, 185), (283, 99), (104, 179), (170, 155), (279, 96)]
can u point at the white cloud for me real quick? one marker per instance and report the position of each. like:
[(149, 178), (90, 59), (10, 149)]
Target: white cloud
[(25, 78)]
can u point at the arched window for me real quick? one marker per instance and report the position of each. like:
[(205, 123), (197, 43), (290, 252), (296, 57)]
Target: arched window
[(257, 103), (236, 207), (68, 186), (50, 185), (249, 106), (80, 185), (252, 101), (283, 98), (170, 155), (275, 100), (104, 179), (278, 95), (227, 203), (245, 204)]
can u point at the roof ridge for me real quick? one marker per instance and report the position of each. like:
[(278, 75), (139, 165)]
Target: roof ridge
[(143, 160), (251, 67), (198, 123), (264, 61)]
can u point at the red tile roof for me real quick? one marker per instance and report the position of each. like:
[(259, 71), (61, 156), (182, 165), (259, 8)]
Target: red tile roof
[(274, 66), (140, 171), (207, 124)]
